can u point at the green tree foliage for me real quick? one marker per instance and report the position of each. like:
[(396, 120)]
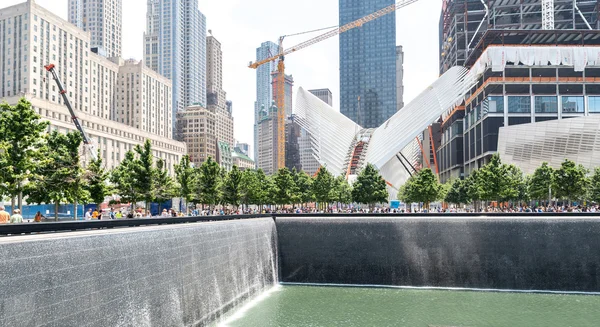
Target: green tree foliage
[(186, 179), (304, 187), (208, 182), (266, 189), (570, 181), (144, 173), (285, 188), (59, 178), (164, 184), (369, 188), (458, 192), (423, 187), (541, 182), (490, 179), (512, 185), (21, 138), (123, 179), (231, 188), (594, 186), (96, 179), (323, 186), (343, 190), (249, 187)]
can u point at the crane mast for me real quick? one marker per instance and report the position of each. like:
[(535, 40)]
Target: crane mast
[(63, 93), (280, 83)]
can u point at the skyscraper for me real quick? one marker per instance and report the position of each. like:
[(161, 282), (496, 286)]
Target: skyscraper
[(175, 46), (368, 64), (264, 90), (216, 96), (323, 94), (103, 19)]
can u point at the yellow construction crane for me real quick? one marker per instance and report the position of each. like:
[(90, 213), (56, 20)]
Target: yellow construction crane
[(280, 81)]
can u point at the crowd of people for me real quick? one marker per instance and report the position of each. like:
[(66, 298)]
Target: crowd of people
[(123, 213)]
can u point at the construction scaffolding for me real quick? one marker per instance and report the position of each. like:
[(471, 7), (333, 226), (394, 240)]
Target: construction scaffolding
[(464, 22)]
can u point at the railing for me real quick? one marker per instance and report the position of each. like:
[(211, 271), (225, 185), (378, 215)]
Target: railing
[(67, 226)]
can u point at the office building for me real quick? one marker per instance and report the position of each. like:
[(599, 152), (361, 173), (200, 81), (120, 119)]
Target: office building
[(90, 81), (103, 19), (288, 91), (368, 94), (241, 159), (216, 96), (143, 99), (324, 94), (175, 47), (243, 147), (292, 144), (196, 127), (399, 77), (520, 89), (267, 140), (224, 157), (264, 90)]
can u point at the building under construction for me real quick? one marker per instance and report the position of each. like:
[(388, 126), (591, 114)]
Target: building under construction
[(533, 56)]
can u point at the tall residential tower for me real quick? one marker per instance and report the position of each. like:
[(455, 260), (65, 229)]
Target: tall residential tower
[(175, 47), (368, 64), (103, 19), (264, 90)]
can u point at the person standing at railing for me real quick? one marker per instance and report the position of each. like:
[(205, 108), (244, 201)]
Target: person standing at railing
[(4, 216), (38, 217)]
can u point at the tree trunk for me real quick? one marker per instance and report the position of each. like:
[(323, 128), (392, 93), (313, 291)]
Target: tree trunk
[(56, 211), (20, 200), (12, 203), (75, 210)]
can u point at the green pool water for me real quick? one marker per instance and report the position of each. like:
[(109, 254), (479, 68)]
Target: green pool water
[(313, 306)]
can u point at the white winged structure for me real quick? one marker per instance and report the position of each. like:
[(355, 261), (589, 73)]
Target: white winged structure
[(345, 147)]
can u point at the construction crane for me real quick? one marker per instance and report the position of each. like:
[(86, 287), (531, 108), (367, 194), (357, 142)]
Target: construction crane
[(63, 93), (280, 81)]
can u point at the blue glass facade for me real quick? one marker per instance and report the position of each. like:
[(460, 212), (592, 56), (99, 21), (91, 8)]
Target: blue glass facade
[(368, 64), (264, 89)]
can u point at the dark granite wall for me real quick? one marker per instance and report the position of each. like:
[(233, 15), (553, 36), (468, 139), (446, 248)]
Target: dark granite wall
[(498, 253), (182, 275)]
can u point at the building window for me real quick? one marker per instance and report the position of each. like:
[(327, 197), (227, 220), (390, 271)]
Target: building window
[(495, 104), (572, 104), (519, 104), (546, 104), (594, 104)]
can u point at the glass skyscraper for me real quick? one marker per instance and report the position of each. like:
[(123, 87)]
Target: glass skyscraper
[(264, 88), (368, 64), (175, 47)]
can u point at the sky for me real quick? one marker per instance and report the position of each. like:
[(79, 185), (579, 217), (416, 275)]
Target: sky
[(242, 25)]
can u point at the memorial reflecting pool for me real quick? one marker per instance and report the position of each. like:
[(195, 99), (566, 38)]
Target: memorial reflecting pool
[(356, 306)]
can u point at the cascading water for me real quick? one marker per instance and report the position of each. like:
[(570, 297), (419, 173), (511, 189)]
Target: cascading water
[(184, 275)]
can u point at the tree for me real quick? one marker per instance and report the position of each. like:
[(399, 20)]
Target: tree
[(474, 187), (249, 187), (343, 190), (231, 188), (265, 191), (123, 179), (22, 139), (96, 180), (304, 187), (370, 188), (512, 185), (457, 193), (491, 179), (144, 173), (541, 183), (165, 188), (208, 182), (570, 181), (185, 175), (323, 186), (594, 190), (423, 187), (285, 188), (59, 178)]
